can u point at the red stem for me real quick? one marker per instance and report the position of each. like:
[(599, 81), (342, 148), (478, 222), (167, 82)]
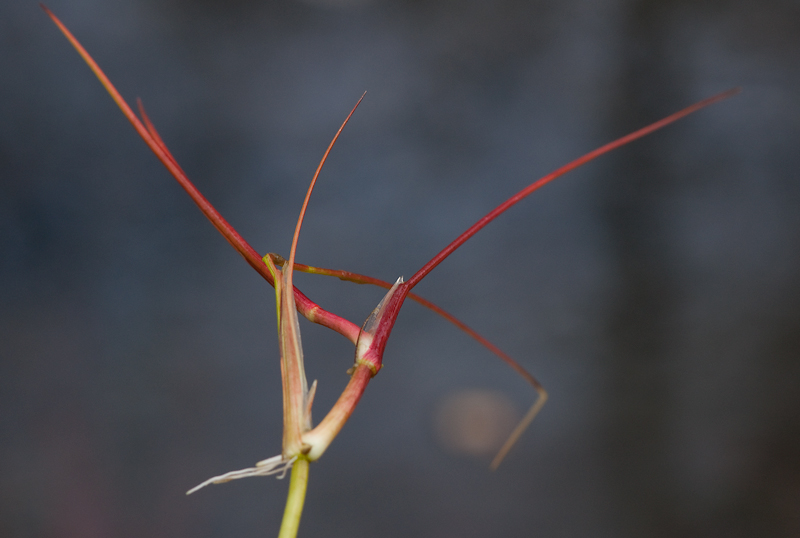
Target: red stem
[(299, 224), (305, 306), (499, 210)]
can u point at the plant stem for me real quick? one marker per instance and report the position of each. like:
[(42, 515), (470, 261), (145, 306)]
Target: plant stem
[(295, 499), (580, 161)]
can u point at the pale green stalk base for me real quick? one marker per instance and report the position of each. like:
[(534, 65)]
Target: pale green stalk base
[(295, 499)]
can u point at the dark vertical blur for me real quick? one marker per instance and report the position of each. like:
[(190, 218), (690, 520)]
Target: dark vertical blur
[(655, 292), (638, 328)]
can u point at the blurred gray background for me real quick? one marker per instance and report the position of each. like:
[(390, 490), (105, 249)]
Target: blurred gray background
[(655, 293)]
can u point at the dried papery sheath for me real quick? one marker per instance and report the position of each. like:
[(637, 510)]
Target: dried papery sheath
[(369, 327), (275, 465), (297, 398), (296, 408), (375, 316)]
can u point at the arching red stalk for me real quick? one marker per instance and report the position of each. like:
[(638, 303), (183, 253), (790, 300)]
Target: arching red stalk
[(499, 210), (580, 161), (296, 398), (305, 306)]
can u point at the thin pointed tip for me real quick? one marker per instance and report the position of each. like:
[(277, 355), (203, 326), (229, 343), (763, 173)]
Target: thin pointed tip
[(724, 95), (357, 103), (48, 12), (721, 96), (498, 459), (197, 487)]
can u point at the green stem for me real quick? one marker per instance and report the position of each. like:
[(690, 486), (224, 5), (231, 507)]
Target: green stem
[(295, 500)]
